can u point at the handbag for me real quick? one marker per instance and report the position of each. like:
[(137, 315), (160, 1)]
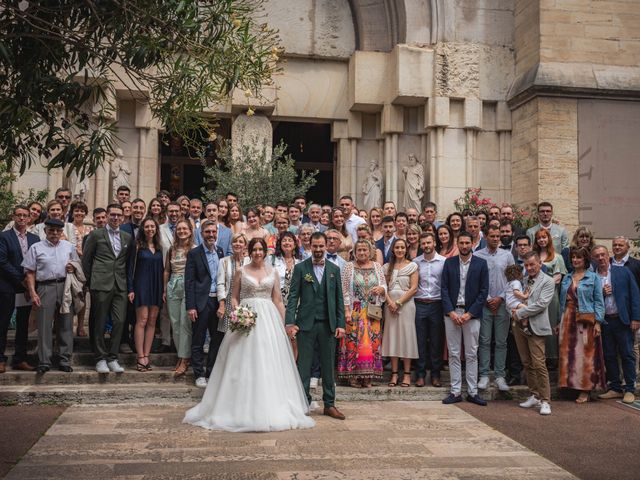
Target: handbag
[(374, 311), (587, 319)]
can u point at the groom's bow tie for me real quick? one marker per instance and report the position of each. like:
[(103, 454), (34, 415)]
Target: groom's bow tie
[(318, 264)]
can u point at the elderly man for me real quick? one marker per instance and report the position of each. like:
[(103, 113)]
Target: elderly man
[(622, 320), (46, 266), (430, 212), (540, 288)]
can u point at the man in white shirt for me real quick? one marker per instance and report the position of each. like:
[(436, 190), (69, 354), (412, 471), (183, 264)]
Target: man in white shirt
[(46, 265), (351, 220), (429, 315)]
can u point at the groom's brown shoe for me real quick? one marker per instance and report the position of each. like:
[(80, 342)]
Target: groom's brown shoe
[(333, 412)]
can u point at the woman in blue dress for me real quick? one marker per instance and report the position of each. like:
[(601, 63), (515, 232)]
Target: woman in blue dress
[(145, 288)]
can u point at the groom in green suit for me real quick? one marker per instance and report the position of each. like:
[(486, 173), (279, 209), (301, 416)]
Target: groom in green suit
[(315, 311)]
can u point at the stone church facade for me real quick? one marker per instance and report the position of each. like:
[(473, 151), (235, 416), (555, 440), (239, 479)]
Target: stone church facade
[(529, 99)]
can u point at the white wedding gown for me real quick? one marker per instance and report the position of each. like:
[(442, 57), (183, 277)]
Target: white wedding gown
[(254, 385)]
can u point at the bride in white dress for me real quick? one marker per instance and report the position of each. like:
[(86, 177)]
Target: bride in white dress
[(255, 385)]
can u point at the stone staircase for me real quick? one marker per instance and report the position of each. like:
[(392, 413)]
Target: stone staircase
[(158, 386)]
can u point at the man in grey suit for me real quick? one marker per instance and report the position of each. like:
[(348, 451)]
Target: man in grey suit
[(104, 262), (558, 233), (540, 288)]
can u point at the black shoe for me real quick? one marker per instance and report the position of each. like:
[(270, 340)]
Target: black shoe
[(452, 399), (42, 369), (65, 368), (477, 400), (513, 381)]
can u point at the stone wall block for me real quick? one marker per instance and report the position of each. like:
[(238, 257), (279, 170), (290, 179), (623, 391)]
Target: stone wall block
[(437, 112), (411, 71), (473, 113), (392, 119), (368, 81)]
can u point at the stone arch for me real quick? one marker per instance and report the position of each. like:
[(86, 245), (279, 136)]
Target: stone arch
[(381, 24)]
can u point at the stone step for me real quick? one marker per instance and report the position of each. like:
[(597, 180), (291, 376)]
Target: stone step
[(87, 376), (187, 393)]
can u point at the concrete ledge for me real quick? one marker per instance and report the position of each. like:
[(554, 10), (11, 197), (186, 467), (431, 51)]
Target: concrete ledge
[(575, 80)]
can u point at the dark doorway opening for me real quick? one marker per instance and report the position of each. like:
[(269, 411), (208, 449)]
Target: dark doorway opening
[(310, 146), (181, 172)]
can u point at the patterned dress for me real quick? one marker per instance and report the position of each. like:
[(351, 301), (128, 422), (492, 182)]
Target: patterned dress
[(359, 353), (581, 363)]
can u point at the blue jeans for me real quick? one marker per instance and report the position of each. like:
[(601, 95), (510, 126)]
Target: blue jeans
[(499, 323), (430, 336), (617, 339)]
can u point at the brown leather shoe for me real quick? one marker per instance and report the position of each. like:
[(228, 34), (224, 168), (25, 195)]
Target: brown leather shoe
[(24, 366), (3, 367), (436, 382), (420, 382), (333, 412)]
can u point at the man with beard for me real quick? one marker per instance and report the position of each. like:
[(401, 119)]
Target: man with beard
[(464, 288)]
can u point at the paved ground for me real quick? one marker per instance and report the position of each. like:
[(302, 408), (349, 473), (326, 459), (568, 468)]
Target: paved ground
[(379, 440), (594, 441), (21, 427)]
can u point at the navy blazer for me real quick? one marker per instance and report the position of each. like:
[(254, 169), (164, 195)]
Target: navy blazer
[(632, 264), (476, 288), (626, 294), (11, 272), (198, 278), (128, 227), (380, 246)]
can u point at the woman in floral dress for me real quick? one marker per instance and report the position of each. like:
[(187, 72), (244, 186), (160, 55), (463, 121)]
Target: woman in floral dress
[(363, 284)]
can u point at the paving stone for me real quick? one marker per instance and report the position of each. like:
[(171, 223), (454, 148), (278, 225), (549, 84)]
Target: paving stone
[(403, 440)]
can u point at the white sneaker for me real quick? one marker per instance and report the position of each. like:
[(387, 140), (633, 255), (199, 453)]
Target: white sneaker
[(483, 383), (545, 408), (115, 367), (313, 383), (531, 402), (201, 382), (101, 367), (502, 384), (313, 406)]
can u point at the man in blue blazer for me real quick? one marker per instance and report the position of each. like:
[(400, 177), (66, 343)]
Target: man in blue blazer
[(388, 236), (200, 291), (14, 244), (465, 286), (622, 319)]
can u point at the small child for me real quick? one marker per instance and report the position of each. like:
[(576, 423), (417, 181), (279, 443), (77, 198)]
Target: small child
[(515, 295)]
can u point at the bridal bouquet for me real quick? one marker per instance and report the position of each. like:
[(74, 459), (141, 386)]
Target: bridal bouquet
[(242, 319)]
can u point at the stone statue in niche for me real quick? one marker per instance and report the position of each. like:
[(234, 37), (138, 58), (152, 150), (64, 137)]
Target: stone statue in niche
[(372, 187), (120, 172), (413, 183), (79, 187)]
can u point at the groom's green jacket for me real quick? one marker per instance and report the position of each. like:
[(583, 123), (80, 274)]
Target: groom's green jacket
[(301, 305)]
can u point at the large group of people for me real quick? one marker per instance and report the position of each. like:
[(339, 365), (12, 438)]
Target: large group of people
[(474, 292)]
